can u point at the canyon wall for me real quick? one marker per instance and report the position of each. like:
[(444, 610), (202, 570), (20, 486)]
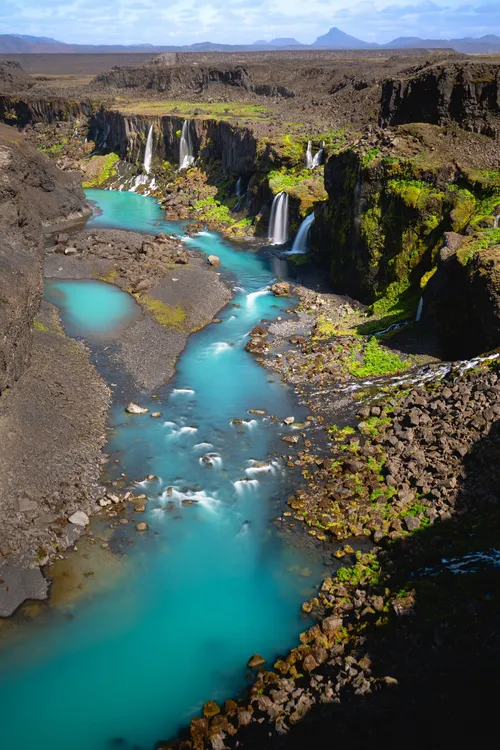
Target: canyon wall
[(34, 196), (465, 93)]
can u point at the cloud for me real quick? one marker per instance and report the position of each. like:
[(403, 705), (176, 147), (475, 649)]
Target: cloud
[(243, 21)]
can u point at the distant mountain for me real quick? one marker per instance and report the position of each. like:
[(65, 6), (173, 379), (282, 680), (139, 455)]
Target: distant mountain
[(335, 39), (338, 39)]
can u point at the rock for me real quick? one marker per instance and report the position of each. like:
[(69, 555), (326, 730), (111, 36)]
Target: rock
[(156, 414), (412, 523), (132, 408), (104, 503), (331, 625), (79, 518), (139, 508), (289, 420), (259, 331), (214, 261), (281, 289), (25, 505), (70, 251), (142, 526), (210, 709), (291, 439), (309, 663), (256, 661)]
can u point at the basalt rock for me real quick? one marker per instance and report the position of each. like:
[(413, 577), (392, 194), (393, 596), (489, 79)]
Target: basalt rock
[(34, 196), (467, 93)]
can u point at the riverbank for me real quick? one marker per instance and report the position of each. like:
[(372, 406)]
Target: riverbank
[(404, 499), (57, 411)]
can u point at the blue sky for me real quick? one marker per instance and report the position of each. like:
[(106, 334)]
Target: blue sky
[(243, 21)]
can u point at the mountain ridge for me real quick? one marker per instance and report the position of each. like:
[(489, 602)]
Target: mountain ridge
[(334, 39)]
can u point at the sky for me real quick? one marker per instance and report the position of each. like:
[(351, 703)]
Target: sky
[(244, 21)]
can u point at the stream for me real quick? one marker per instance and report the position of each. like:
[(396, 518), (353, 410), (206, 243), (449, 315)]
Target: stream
[(212, 581)]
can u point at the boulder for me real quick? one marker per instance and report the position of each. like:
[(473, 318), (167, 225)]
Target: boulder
[(79, 518), (132, 408), (142, 526), (256, 661), (214, 261), (281, 289)]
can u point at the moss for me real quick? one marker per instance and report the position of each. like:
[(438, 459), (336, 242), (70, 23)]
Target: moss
[(427, 277), (376, 360), (306, 187), (167, 315), (107, 171), (479, 241), (38, 326), (464, 205), (370, 156)]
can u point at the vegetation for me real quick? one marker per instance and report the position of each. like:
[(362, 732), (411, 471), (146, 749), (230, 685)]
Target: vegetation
[(376, 360), (195, 110), (106, 170), (167, 315)]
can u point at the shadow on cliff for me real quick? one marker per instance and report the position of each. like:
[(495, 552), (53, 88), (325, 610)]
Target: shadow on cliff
[(445, 654)]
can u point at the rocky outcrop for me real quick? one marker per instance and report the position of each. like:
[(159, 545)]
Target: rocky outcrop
[(34, 195), (31, 109), (466, 93), (462, 299), (13, 77), (382, 227), (161, 75)]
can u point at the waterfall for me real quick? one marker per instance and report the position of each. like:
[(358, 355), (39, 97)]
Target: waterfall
[(186, 155), (496, 220), (148, 154), (309, 155), (318, 158), (278, 222), (237, 189), (300, 243), (419, 309)]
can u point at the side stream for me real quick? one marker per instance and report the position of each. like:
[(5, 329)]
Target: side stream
[(211, 582)]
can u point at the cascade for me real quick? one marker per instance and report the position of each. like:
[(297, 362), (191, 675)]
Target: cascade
[(148, 154), (419, 309), (237, 189), (496, 220), (278, 222), (319, 156), (309, 156), (186, 155), (300, 242)]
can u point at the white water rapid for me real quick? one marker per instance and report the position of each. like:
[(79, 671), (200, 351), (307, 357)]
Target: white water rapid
[(278, 222), (186, 151), (300, 243)]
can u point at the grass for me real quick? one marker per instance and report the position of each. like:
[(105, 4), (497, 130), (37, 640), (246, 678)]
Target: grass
[(40, 327), (193, 110), (167, 315)]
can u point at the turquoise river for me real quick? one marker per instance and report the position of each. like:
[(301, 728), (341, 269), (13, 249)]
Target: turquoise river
[(212, 582)]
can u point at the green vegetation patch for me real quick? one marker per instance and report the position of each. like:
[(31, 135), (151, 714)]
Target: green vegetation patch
[(107, 171), (196, 110), (479, 241), (167, 315), (376, 359)]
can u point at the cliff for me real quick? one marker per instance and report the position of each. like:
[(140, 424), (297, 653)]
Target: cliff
[(34, 196), (466, 93)]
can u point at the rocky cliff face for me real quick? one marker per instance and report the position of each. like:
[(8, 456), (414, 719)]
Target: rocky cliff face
[(34, 195), (466, 93), (13, 77)]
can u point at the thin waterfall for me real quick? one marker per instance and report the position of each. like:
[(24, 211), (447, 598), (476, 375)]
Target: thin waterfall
[(496, 220), (318, 157), (300, 243), (278, 222), (186, 151), (419, 309), (237, 189), (148, 154), (309, 155)]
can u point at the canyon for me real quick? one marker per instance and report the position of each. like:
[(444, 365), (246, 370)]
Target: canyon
[(377, 181)]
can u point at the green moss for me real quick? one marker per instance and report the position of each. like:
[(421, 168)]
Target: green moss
[(377, 360), (370, 156), (213, 210), (167, 315), (427, 277), (464, 205), (40, 327), (479, 241), (106, 172)]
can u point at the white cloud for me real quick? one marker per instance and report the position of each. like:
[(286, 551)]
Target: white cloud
[(243, 21)]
